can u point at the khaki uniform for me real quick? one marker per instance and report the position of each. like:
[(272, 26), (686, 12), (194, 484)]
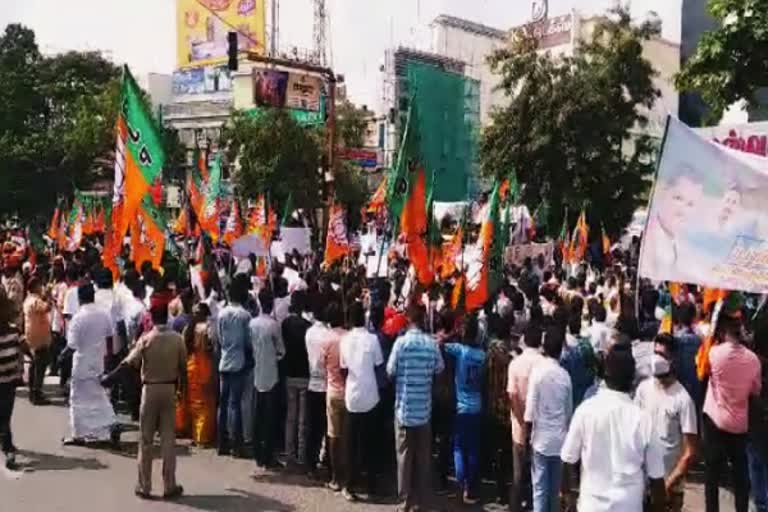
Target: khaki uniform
[(162, 356)]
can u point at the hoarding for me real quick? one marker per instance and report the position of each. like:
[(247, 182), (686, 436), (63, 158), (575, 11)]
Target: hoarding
[(269, 87), (202, 28), (303, 92), (747, 137), (205, 80)]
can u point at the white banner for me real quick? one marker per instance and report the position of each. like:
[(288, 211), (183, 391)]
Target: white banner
[(516, 254)]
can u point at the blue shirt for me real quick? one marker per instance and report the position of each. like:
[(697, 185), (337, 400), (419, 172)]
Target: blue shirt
[(414, 361), (234, 334), (688, 344), (468, 377), (580, 362)]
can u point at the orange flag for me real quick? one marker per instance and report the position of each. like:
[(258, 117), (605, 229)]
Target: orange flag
[(451, 251), (147, 240), (413, 225), (336, 243), (234, 228), (379, 198), (53, 230), (580, 239)]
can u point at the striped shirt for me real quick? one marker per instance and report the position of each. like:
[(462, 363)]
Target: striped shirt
[(414, 361), (10, 369)]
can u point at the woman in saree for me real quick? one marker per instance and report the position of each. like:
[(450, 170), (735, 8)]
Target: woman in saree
[(196, 412)]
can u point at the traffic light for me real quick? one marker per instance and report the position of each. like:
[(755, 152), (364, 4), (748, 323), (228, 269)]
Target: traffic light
[(232, 51)]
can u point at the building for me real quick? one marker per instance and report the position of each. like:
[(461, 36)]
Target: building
[(472, 43)]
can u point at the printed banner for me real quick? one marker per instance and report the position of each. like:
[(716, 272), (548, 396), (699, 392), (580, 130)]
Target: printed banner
[(303, 92), (707, 220), (269, 87), (516, 254), (203, 26), (748, 137)]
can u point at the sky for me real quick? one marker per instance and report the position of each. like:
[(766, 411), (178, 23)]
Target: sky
[(142, 32)]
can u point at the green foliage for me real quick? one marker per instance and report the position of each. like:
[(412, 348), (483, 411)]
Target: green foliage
[(567, 130), (351, 190), (57, 118), (730, 63), (274, 155), (351, 125)]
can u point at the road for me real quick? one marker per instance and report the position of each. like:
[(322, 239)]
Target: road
[(69, 479)]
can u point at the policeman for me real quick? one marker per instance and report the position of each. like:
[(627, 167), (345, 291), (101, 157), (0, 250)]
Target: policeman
[(162, 357)]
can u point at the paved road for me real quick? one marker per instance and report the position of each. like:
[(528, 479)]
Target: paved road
[(69, 479)]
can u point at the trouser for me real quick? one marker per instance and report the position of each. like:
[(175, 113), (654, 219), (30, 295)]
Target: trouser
[(158, 414), (230, 411), (414, 446), (546, 475), (58, 343), (466, 450), (758, 477), (720, 448), (247, 407), (358, 431), (295, 420), (40, 359), (316, 427), (442, 431), (65, 367), (7, 401), (500, 456), (264, 431), (520, 491), (335, 414), (385, 431)]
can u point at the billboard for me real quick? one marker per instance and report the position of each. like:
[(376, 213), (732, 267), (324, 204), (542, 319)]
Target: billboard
[(202, 28), (205, 80), (273, 88), (269, 87), (303, 92), (707, 222)]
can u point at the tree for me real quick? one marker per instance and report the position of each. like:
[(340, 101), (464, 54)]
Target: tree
[(569, 130), (57, 118), (731, 63), (351, 125), (274, 155)]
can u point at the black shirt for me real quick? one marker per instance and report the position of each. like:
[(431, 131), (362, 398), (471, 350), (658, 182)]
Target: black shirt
[(295, 364)]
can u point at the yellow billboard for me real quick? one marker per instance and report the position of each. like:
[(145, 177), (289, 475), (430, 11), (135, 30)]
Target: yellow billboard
[(202, 27)]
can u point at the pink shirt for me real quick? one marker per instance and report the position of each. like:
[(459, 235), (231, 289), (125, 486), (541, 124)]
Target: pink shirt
[(519, 372), (735, 375), (331, 361)]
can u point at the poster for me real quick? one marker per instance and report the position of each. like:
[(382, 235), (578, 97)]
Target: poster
[(707, 222), (303, 92), (269, 87), (516, 254), (205, 80), (202, 28)]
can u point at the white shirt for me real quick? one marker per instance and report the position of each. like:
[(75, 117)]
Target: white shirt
[(614, 440), (87, 336), (105, 299), (599, 336), (71, 302), (360, 353), (281, 310), (268, 349), (315, 338), (549, 406), (673, 416)]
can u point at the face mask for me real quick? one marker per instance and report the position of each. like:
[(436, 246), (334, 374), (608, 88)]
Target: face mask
[(660, 366)]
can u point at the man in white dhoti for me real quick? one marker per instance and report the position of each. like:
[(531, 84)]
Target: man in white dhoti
[(92, 417)]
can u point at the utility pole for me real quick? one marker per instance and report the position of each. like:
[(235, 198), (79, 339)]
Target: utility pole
[(319, 31), (274, 40)]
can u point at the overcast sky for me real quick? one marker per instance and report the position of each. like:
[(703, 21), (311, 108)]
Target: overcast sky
[(142, 32)]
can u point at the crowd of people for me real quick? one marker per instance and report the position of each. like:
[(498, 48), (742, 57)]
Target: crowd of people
[(559, 390)]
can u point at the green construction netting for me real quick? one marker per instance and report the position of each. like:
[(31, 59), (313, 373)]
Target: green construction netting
[(447, 126)]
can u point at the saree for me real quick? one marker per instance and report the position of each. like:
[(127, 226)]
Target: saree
[(196, 411)]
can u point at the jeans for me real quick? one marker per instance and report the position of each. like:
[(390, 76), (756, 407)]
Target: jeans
[(316, 426), (264, 431), (466, 450), (359, 431), (443, 424), (7, 400), (500, 455), (546, 475), (721, 448), (230, 412), (295, 420), (758, 477)]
